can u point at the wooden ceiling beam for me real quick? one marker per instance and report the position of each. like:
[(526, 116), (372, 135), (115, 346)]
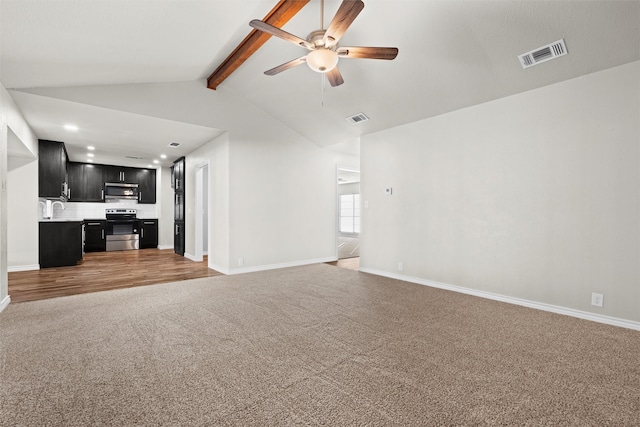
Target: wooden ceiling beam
[(279, 15)]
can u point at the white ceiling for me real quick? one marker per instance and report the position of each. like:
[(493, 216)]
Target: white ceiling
[(61, 56)]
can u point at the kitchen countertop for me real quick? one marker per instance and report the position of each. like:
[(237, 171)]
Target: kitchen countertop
[(60, 220)]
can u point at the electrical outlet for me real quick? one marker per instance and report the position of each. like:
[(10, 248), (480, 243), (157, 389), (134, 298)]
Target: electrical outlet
[(400, 266), (240, 262), (597, 300)]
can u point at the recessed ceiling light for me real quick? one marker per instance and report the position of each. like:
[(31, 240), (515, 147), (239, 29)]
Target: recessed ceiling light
[(90, 160), (150, 167), (156, 161), (91, 148), (71, 128), (89, 154), (163, 156)]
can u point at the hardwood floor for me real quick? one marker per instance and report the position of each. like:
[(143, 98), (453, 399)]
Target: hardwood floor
[(101, 271), (348, 263)]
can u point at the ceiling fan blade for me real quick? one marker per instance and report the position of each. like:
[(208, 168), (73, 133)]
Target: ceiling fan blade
[(347, 12), (334, 76), (275, 31), (368, 52), (286, 66)]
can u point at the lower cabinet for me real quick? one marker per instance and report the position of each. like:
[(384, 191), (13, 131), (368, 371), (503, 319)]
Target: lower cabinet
[(95, 235), (178, 237), (148, 233), (60, 243)]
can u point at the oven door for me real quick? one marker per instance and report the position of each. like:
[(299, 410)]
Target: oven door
[(122, 234)]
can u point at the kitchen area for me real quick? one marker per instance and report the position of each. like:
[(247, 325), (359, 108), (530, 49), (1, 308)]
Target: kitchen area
[(86, 207)]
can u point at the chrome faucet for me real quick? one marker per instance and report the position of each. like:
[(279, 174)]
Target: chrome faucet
[(47, 208)]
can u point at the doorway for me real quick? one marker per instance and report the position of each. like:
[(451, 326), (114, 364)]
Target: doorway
[(202, 212), (348, 241)]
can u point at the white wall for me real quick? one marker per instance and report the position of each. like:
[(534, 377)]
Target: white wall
[(534, 196), (216, 153), (283, 200), (11, 122), (164, 199), (22, 233)]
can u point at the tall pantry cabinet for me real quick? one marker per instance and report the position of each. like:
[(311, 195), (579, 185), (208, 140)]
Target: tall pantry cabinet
[(179, 205)]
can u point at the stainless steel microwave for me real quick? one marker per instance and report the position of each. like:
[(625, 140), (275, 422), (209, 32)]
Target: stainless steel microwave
[(120, 191)]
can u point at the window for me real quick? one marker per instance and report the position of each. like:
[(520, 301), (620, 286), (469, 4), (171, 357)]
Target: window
[(350, 213)]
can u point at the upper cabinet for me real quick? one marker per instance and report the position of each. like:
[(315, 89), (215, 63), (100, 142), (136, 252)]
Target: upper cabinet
[(146, 185), (120, 174), (52, 170), (86, 182)]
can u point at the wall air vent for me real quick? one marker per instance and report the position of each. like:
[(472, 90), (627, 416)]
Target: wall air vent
[(174, 144), (357, 118), (543, 54)]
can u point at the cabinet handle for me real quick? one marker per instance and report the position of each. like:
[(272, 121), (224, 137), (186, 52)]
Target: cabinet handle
[(140, 196), (69, 194), (102, 195), (142, 232), (149, 222), (102, 234)]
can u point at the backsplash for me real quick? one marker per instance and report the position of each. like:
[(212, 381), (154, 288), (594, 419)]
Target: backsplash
[(79, 211)]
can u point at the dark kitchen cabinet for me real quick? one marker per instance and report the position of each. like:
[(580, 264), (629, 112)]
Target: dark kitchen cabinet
[(120, 174), (86, 182), (95, 239), (148, 233), (146, 185), (179, 206), (76, 181), (60, 243), (52, 170), (178, 237)]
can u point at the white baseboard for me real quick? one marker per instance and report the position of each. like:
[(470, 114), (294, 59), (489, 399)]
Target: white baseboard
[(629, 324), (164, 247), (4, 303), (220, 269), (189, 256), (15, 268), (257, 268)]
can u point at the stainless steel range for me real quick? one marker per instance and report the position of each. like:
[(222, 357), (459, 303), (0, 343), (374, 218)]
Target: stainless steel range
[(122, 229)]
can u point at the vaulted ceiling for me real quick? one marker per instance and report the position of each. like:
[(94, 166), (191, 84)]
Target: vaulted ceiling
[(109, 66)]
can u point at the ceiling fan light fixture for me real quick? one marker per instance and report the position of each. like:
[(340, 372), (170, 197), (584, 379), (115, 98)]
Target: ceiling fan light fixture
[(322, 60)]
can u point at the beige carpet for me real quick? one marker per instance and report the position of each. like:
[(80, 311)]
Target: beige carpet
[(315, 345)]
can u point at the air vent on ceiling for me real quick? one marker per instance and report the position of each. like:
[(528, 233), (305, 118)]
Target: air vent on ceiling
[(174, 144), (357, 118), (134, 157), (543, 54)]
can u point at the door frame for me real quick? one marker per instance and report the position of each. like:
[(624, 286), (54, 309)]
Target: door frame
[(337, 198), (199, 211)]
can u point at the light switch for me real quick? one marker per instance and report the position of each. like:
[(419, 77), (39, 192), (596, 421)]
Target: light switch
[(388, 191)]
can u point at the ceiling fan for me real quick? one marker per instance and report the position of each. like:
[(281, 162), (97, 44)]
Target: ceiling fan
[(322, 44)]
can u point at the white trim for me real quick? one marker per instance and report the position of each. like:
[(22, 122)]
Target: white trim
[(5, 302), (219, 269), (15, 268), (614, 321), (281, 265), (165, 247), (191, 257)]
